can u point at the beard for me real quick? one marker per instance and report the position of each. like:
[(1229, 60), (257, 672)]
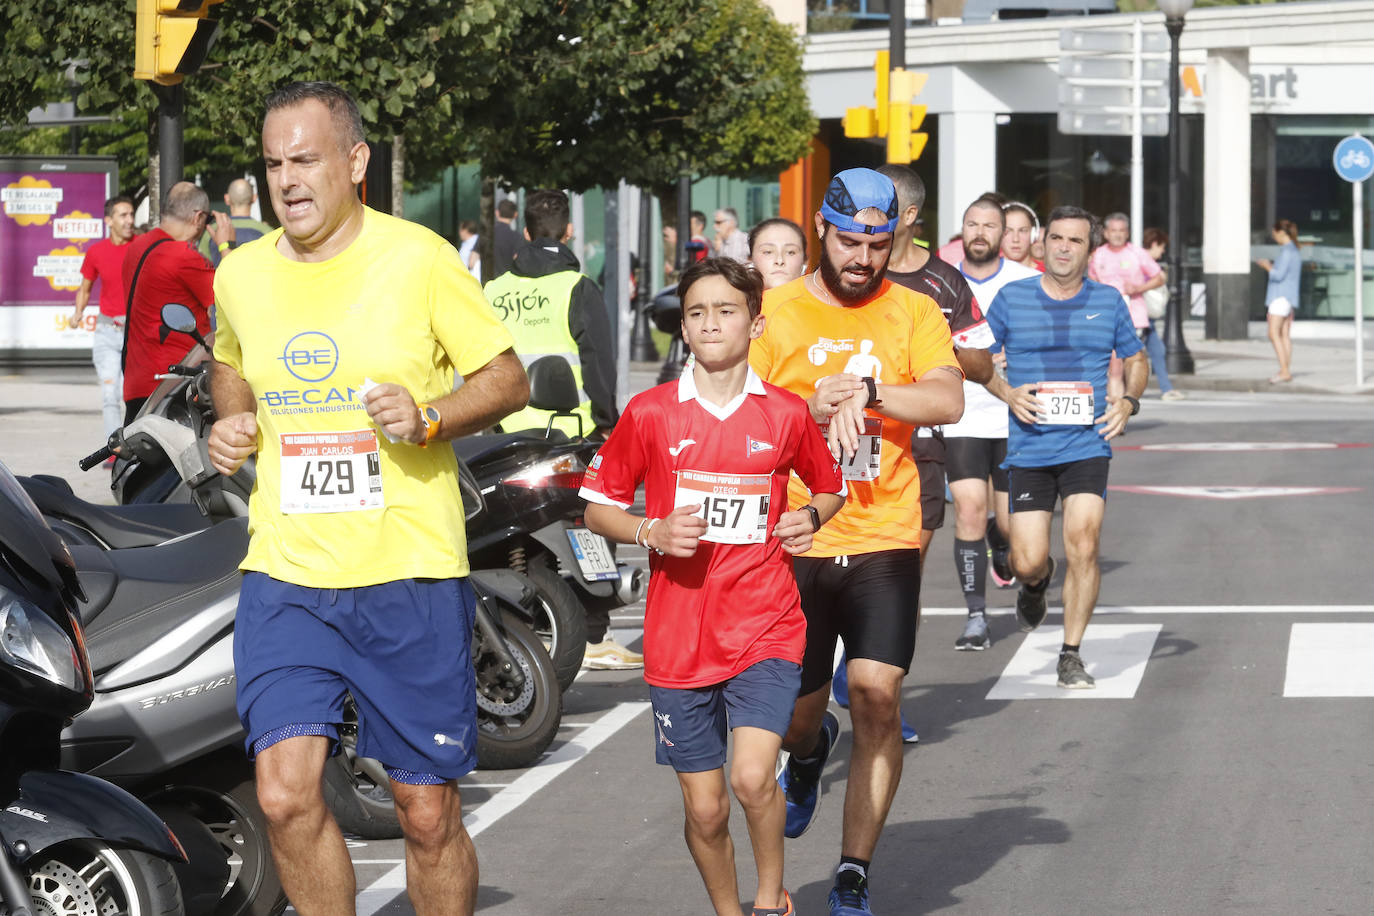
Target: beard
[(850, 293), (987, 257)]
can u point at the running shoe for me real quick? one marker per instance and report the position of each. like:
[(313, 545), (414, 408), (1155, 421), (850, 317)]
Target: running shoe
[(801, 783), (909, 735), (784, 910), (1031, 602), (1072, 674), (1173, 394), (609, 655), (975, 637), (849, 896), (1000, 567)]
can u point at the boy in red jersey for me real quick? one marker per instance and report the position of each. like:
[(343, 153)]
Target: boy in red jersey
[(723, 627)]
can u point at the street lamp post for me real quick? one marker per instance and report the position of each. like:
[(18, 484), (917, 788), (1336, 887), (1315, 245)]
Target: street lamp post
[(1179, 360)]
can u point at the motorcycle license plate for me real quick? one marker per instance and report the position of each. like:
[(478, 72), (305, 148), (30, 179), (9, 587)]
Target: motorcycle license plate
[(594, 557)]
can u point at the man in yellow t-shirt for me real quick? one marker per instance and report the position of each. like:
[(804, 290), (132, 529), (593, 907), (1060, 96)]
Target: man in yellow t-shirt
[(874, 360), (337, 343)]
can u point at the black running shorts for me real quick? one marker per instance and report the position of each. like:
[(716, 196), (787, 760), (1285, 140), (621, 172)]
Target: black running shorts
[(1036, 489), (871, 601), (932, 494), (972, 458)]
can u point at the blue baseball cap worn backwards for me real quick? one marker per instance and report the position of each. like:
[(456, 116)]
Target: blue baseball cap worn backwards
[(855, 190)]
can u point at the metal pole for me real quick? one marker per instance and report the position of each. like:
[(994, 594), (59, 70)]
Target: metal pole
[(896, 36), (1358, 191), (684, 218), (1137, 142), (1179, 360), (171, 109), (642, 347)]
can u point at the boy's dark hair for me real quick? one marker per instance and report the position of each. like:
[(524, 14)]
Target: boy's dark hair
[(344, 111), (1069, 212), (698, 216), (770, 223), (547, 214), (506, 209), (744, 279), (116, 201)]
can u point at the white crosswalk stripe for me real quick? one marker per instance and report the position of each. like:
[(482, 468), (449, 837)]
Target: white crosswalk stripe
[(1115, 654), (1330, 660)]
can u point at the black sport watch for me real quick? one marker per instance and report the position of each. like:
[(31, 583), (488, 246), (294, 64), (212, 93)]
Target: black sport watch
[(1135, 403), (815, 517), (873, 399)]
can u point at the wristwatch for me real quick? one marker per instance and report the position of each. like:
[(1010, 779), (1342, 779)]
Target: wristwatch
[(430, 415), (1135, 403), (815, 517), (873, 399)]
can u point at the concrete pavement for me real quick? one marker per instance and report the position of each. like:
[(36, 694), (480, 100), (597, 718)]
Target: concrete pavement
[(1323, 360)]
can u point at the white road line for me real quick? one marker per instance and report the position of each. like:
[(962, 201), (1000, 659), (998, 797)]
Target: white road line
[(1149, 609), (1330, 660), (1114, 653), (380, 892)]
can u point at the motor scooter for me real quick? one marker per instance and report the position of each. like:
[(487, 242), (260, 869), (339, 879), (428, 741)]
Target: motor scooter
[(69, 842)]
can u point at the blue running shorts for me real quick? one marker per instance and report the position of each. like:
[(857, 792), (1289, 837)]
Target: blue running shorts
[(402, 649), (690, 724)]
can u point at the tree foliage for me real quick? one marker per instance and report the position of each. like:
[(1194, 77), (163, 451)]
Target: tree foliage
[(567, 93)]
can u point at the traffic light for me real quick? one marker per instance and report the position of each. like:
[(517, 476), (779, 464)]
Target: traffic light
[(172, 38), (904, 143)]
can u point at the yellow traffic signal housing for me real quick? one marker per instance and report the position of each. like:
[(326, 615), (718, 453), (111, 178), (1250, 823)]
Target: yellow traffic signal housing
[(860, 122), (172, 38), (880, 73), (904, 143)]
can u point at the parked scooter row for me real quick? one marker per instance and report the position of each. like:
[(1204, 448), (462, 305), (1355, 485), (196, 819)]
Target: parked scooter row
[(69, 843)]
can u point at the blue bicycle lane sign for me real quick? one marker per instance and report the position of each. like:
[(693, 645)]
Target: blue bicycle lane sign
[(1354, 158)]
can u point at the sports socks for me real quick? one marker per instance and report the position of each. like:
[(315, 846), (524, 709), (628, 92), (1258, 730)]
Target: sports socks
[(1065, 649), (971, 560)]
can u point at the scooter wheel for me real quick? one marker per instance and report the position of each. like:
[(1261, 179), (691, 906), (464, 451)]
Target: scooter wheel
[(514, 733), (91, 876), (564, 625)]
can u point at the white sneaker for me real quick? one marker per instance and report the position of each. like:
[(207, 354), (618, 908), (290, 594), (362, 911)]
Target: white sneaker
[(1173, 394), (609, 655)]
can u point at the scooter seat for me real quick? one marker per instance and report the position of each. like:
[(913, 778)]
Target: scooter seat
[(476, 449), (138, 596), (117, 526)]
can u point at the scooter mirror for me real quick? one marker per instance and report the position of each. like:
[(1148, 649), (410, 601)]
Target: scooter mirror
[(179, 318)]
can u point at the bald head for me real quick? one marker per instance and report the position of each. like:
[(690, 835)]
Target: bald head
[(239, 197), (184, 201)]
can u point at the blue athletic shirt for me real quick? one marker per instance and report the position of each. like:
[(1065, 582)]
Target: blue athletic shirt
[(1059, 340)]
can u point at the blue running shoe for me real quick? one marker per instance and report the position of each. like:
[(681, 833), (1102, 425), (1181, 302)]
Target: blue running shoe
[(909, 735), (849, 896), (839, 684), (801, 783)]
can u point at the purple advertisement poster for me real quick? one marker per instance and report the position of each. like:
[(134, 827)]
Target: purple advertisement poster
[(51, 211)]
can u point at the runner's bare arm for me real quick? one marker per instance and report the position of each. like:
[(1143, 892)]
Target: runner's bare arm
[(234, 436), (83, 295), (977, 364), (1135, 373), (794, 528), (936, 397), (494, 391), (1021, 400), (676, 534)]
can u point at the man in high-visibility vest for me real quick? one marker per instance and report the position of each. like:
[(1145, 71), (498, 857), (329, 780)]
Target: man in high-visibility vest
[(551, 308)]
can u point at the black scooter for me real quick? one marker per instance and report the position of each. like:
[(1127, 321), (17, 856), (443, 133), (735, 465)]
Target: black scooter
[(69, 843)]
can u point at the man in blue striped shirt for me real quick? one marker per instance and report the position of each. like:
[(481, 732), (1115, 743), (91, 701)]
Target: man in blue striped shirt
[(1058, 332)]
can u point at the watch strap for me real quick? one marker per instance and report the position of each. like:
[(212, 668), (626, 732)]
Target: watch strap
[(815, 517), (872, 385), (1135, 403), (429, 416)]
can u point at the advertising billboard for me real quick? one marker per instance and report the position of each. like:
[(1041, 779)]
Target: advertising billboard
[(51, 211)]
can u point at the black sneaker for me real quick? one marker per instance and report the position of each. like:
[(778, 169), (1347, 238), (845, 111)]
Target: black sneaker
[(1072, 674), (1031, 603), (1002, 573), (801, 783)]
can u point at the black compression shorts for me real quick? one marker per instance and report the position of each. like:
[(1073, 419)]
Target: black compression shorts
[(969, 457), (932, 494), (871, 601)]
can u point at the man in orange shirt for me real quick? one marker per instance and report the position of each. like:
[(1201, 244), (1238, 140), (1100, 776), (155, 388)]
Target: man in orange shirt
[(874, 360)]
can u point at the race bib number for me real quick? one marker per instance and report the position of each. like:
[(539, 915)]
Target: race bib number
[(867, 460), (1066, 403), (735, 506), (330, 472)]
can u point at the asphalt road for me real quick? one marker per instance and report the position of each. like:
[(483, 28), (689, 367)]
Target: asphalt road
[(1225, 763)]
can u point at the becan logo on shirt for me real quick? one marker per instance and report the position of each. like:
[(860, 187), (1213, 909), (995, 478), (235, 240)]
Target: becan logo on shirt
[(311, 356)]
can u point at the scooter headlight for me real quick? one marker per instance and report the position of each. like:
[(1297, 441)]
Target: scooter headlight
[(29, 639)]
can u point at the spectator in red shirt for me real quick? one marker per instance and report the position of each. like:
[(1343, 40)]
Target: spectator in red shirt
[(105, 262), (162, 266)]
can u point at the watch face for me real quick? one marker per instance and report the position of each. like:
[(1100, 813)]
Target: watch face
[(431, 414)]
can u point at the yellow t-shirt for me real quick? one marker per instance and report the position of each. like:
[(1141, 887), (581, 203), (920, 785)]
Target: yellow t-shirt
[(896, 337), (336, 504)]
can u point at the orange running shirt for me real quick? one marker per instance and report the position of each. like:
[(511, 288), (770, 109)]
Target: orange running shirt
[(897, 336)]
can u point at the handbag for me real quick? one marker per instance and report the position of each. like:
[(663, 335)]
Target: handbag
[(1157, 301)]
